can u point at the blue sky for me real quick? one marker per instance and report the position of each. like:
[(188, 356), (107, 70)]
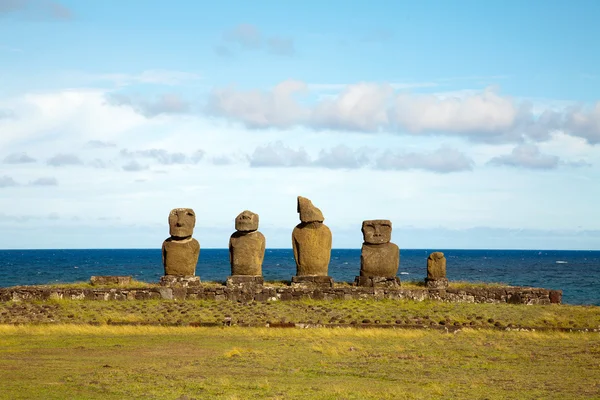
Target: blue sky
[(469, 124)]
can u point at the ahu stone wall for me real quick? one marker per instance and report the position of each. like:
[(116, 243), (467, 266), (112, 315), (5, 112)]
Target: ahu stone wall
[(247, 293)]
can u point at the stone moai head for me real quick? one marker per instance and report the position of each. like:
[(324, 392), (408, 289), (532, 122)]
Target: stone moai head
[(308, 212), (436, 265), (377, 231), (246, 221), (182, 222)]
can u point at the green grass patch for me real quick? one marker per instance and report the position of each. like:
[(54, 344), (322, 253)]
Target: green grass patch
[(108, 362), (401, 313)]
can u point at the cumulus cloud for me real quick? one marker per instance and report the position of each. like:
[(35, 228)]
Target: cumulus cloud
[(484, 116), (48, 181), (18, 158), (526, 156), (44, 8), (278, 155), (360, 107), (61, 160), (276, 108), (342, 156), (7, 181), (443, 160), (164, 104), (584, 123), (165, 157), (478, 115)]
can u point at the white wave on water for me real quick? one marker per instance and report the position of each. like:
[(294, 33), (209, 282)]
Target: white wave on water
[(562, 262), (404, 273)]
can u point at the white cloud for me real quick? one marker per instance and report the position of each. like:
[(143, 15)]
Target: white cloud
[(360, 107), (527, 156), (46, 181), (61, 160), (260, 109), (7, 181), (584, 123), (443, 160), (165, 157), (342, 156), (18, 158), (278, 155), (167, 103)]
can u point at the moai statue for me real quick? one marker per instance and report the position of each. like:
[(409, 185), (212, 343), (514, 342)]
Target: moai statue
[(379, 258), (436, 271), (180, 252), (246, 250), (311, 240)]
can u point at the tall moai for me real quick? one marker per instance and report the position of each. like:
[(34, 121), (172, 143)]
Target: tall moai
[(436, 271), (379, 257), (246, 250), (311, 241), (180, 251)]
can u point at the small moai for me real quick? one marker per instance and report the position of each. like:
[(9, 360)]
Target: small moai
[(436, 271), (379, 257), (246, 251), (180, 252), (311, 241)]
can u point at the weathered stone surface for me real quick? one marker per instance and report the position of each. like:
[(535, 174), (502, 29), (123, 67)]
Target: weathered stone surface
[(180, 281), (246, 221), (436, 265), (320, 288), (377, 231), (311, 241), (439, 283), (379, 260), (312, 248), (182, 222), (180, 256), (244, 280), (180, 252), (377, 281), (246, 253), (110, 280), (312, 281), (308, 212)]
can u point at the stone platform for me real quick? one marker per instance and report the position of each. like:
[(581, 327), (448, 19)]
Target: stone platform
[(377, 281), (478, 294), (312, 282)]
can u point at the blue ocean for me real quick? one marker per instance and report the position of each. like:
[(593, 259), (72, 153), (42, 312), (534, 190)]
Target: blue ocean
[(577, 273)]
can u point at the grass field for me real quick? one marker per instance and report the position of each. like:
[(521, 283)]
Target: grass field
[(347, 312), (116, 362)]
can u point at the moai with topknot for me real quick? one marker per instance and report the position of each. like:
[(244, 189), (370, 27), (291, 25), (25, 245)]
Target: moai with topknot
[(379, 257), (311, 241), (180, 251), (246, 250)]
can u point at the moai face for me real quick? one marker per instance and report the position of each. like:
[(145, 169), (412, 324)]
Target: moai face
[(247, 221), (182, 222), (308, 212), (377, 231)]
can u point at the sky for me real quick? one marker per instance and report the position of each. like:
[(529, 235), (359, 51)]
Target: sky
[(468, 124)]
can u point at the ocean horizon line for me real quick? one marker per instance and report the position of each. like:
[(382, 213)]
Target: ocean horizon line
[(290, 248)]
